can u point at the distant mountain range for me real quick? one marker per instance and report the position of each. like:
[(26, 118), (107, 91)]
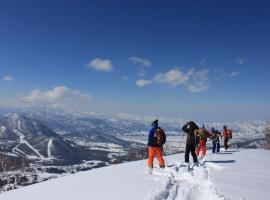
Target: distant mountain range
[(118, 123), (51, 135), (30, 138), (55, 142)]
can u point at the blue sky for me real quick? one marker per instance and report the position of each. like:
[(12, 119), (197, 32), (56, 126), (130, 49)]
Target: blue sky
[(206, 60)]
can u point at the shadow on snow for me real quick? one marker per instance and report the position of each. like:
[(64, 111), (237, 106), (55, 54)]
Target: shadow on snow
[(221, 161)]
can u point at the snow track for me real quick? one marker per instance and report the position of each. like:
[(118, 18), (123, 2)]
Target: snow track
[(23, 141), (49, 150), (182, 184)]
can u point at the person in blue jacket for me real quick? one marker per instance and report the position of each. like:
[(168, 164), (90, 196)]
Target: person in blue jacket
[(215, 140), (156, 140)]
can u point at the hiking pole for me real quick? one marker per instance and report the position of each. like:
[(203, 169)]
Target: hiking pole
[(166, 161), (163, 152), (181, 140), (145, 153)]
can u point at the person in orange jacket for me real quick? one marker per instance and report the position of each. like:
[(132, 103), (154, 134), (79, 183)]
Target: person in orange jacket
[(202, 133), (227, 134), (156, 140)]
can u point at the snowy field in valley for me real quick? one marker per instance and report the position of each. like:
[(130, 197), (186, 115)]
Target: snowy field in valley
[(234, 174)]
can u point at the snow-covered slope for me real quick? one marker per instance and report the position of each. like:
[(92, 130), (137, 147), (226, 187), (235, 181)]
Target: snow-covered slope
[(29, 138), (244, 174), (237, 174)]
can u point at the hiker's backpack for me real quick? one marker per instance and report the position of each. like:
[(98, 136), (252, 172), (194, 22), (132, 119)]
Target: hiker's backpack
[(215, 139), (192, 125), (202, 134), (189, 127), (159, 137), (229, 133), (216, 136)]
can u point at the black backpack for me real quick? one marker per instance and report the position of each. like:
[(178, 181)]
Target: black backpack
[(190, 126)]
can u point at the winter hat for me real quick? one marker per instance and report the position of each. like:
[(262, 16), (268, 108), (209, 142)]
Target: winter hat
[(155, 123), (202, 126), (212, 129)]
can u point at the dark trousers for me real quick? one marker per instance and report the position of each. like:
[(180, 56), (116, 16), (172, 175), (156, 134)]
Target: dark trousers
[(190, 148), (226, 143), (216, 147)]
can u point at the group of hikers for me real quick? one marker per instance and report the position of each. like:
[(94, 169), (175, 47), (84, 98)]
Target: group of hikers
[(195, 141)]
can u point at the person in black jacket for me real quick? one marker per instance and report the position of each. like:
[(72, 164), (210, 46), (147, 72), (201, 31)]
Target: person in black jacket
[(189, 128)]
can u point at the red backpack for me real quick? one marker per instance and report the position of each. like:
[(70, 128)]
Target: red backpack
[(159, 135), (229, 133)]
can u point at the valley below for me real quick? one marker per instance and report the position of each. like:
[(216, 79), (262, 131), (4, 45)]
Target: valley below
[(37, 146)]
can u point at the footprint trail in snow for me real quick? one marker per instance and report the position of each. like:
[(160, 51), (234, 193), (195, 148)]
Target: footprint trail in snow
[(182, 184)]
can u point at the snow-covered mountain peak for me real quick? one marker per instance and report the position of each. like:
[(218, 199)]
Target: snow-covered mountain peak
[(32, 139), (2, 129)]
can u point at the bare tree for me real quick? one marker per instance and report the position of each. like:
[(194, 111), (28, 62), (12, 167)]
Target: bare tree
[(3, 163), (14, 179), (12, 171)]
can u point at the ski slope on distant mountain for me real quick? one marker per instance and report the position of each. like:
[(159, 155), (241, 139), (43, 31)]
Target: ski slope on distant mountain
[(234, 174), (23, 141), (49, 150)]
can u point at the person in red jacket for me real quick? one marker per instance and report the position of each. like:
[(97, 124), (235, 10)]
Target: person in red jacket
[(202, 133), (227, 134)]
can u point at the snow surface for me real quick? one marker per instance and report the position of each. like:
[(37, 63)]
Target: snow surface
[(234, 174)]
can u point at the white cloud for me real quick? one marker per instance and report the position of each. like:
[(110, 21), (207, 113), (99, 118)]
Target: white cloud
[(198, 81), (143, 82), (8, 78), (60, 97), (240, 61), (173, 77), (140, 61), (101, 65), (193, 80), (235, 73)]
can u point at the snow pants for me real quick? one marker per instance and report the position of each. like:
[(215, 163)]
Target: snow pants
[(190, 148), (226, 143), (155, 151), (216, 147), (201, 146)]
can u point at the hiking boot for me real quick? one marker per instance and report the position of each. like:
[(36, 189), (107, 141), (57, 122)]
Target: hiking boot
[(150, 170)]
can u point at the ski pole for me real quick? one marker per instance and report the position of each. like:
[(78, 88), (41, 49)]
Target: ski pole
[(165, 158), (166, 162), (181, 140), (145, 153)]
